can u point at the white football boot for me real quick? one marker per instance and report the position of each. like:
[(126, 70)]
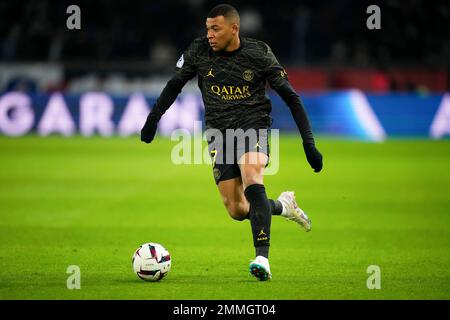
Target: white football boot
[(260, 268), (291, 211)]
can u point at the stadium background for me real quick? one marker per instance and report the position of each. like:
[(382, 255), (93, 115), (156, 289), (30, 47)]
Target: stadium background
[(378, 101)]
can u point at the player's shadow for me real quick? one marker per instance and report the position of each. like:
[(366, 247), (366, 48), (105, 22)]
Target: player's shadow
[(190, 280)]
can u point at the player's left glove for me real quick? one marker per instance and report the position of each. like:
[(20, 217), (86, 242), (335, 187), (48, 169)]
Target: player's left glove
[(148, 131), (313, 156)]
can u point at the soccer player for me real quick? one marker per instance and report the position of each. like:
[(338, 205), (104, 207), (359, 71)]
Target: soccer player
[(232, 75)]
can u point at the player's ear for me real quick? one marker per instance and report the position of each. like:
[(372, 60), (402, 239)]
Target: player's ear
[(234, 28)]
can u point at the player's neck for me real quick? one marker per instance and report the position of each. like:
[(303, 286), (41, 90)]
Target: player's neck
[(234, 45)]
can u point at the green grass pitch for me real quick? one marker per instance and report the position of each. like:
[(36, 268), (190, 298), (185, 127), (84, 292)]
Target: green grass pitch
[(91, 202)]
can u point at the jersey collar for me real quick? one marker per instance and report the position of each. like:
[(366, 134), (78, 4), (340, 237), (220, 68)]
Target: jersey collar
[(231, 53)]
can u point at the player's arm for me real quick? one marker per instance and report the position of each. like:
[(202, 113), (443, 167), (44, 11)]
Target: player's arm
[(185, 71), (278, 80)]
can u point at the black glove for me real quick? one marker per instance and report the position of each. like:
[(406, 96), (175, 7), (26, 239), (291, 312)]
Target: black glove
[(149, 130), (313, 156)]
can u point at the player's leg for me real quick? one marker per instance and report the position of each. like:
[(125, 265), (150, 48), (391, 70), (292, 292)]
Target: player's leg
[(256, 150), (252, 152), (292, 211), (227, 176), (232, 193), (234, 200), (252, 166)]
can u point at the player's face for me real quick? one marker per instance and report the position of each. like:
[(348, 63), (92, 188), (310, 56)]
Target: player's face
[(220, 32)]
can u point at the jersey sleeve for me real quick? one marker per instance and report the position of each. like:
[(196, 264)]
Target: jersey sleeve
[(277, 78), (275, 73), (185, 71), (186, 66)]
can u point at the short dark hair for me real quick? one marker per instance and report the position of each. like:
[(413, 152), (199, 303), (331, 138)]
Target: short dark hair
[(224, 10)]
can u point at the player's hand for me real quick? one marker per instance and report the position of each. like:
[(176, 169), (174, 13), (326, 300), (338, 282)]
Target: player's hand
[(313, 156), (148, 131)]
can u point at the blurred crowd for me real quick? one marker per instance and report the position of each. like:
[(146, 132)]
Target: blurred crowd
[(324, 33), (299, 31)]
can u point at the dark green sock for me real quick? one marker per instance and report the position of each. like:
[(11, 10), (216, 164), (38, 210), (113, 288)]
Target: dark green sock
[(260, 218), (275, 207)]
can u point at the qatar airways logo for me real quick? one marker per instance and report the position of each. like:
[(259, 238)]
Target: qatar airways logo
[(230, 93)]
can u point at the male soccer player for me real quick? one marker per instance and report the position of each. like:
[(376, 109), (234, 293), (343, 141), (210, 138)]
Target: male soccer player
[(232, 75)]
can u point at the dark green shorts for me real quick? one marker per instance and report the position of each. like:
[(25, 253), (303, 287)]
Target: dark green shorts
[(226, 149)]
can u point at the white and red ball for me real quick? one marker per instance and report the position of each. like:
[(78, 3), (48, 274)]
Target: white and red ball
[(151, 262)]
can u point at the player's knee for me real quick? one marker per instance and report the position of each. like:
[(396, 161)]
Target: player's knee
[(253, 175), (253, 178), (238, 215), (235, 210)]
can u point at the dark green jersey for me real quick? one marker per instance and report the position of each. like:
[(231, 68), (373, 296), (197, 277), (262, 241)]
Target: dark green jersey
[(233, 86)]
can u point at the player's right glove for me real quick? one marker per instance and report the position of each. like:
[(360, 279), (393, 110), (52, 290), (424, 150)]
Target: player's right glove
[(313, 156), (148, 131)]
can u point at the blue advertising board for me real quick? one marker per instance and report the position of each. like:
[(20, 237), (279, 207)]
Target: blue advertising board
[(352, 114)]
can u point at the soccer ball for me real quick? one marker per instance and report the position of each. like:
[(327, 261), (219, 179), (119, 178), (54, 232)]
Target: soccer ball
[(151, 262)]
